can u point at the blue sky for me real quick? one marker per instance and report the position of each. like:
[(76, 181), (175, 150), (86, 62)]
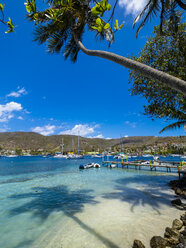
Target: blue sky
[(45, 94)]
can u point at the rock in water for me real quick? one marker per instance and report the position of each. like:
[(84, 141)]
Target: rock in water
[(172, 235), (183, 217), (169, 232), (138, 244), (184, 232), (158, 242), (176, 202), (180, 246), (178, 191), (177, 224)]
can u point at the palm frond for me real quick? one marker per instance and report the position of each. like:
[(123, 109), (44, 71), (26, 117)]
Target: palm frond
[(59, 23), (71, 50), (181, 4), (57, 40), (138, 17), (175, 125), (167, 9), (152, 9)]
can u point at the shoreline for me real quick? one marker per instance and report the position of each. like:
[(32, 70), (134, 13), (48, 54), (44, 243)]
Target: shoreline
[(174, 236), (121, 207)]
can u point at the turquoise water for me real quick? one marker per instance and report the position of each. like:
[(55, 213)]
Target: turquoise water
[(47, 202)]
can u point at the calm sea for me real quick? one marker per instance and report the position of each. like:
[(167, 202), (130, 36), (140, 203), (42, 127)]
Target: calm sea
[(48, 202)]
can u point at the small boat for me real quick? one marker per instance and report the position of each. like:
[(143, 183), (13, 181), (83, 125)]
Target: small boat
[(96, 156), (147, 155), (145, 163), (74, 156), (59, 155), (112, 165), (120, 156), (156, 158), (96, 165), (12, 156), (86, 166)]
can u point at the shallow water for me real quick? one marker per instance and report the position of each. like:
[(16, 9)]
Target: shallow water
[(47, 202)]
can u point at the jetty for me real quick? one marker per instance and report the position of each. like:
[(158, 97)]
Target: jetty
[(152, 165)]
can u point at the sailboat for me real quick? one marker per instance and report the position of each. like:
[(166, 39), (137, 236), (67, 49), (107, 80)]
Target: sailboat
[(61, 155), (73, 155)]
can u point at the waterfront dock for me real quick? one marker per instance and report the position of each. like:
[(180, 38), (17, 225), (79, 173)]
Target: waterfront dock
[(153, 166)]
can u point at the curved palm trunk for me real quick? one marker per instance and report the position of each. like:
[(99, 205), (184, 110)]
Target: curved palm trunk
[(162, 77)]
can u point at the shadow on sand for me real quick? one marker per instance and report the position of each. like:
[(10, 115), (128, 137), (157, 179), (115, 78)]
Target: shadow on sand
[(46, 200), (148, 190)]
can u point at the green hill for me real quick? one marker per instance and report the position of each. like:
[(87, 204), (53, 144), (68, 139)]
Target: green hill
[(35, 141)]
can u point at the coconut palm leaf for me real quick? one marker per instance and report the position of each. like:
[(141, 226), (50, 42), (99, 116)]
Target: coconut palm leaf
[(138, 17), (60, 23), (175, 125), (167, 9), (150, 10), (181, 4)]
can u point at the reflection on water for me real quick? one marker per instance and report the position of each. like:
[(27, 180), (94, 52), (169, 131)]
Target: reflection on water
[(56, 205)]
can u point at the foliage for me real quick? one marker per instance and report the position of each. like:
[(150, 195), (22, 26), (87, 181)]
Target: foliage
[(166, 53), (167, 10), (18, 152), (28, 141), (8, 23), (64, 21)]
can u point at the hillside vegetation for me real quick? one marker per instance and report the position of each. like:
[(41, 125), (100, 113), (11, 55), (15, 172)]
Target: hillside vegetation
[(35, 141)]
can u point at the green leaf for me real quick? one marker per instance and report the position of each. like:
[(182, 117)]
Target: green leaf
[(99, 29), (94, 27), (102, 3), (98, 21), (1, 7), (108, 6), (94, 11), (30, 6), (107, 25), (116, 25), (10, 26), (121, 26), (33, 6)]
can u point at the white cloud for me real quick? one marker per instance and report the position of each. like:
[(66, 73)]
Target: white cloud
[(80, 129), (131, 124), (5, 129), (133, 6), (26, 111), (45, 130), (17, 93), (7, 109), (99, 136), (20, 118), (126, 136)]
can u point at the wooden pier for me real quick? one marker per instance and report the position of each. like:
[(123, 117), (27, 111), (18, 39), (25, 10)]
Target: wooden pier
[(142, 163)]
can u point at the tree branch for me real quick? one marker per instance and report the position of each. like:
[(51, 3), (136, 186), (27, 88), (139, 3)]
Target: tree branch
[(154, 74)]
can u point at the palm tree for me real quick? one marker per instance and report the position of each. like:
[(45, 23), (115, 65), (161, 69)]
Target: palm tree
[(63, 25), (166, 8), (174, 125)]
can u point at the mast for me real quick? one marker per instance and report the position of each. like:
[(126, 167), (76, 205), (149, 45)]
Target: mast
[(72, 145), (78, 144), (62, 147), (121, 146)]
